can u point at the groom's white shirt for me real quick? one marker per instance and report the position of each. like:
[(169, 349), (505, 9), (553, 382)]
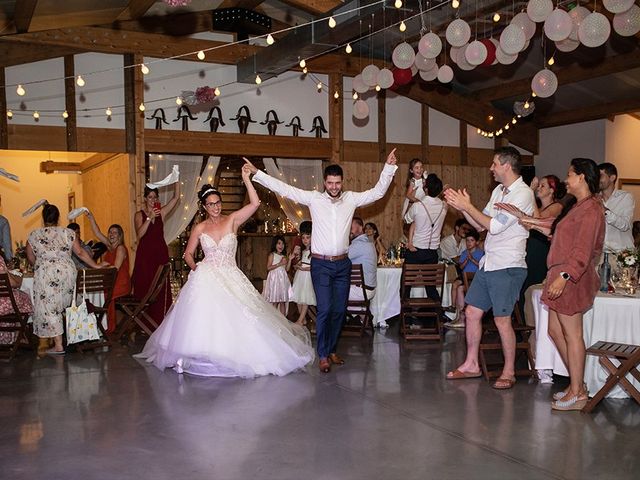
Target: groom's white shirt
[(331, 216)]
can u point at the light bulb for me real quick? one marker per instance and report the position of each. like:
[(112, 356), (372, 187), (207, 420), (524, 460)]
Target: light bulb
[(217, 92), (270, 39), (65, 114), (336, 95), (398, 4), (108, 111), (490, 117), (9, 114), (491, 135), (200, 55), (178, 101), (304, 71), (514, 121), (332, 22), (348, 48), (319, 86), (496, 17), (526, 104), (478, 131), (36, 115), (144, 69), (534, 94), (455, 3), (355, 95), (403, 26), (303, 63), (141, 107), (507, 126), (551, 61), (80, 81), (378, 88), (258, 80), (20, 90)]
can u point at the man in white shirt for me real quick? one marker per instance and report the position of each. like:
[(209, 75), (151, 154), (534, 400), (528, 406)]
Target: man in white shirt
[(362, 251), (331, 214), (619, 207), (453, 245), (502, 270), (427, 215)]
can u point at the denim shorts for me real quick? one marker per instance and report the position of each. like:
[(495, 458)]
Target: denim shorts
[(498, 290)]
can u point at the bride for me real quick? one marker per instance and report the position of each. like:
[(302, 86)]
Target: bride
[(220, 325)]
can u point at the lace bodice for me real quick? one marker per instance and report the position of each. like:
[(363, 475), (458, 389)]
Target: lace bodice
[(221, 254)]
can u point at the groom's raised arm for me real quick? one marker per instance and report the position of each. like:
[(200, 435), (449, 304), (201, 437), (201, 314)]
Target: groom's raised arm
[(298, 195), (380, 188)]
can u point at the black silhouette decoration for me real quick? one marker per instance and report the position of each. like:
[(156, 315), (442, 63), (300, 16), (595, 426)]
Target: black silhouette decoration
[(295, 124), (318, 126), (243, 120), (214, 121), (272, 124), (184, 114), (159, 117)]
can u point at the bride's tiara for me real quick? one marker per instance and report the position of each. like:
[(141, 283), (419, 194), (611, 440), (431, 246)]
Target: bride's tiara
[(208, 191)]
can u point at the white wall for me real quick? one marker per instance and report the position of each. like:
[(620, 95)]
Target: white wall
[(623, 145)]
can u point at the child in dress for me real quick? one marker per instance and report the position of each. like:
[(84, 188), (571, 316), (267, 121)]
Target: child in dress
[(277, 284), (303, 293), (414, 185)]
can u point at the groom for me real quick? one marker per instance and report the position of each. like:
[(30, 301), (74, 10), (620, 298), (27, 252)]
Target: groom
[(331, 213)]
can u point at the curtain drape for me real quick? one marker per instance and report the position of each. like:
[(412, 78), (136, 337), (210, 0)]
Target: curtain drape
[(191, 181), (304, 174)]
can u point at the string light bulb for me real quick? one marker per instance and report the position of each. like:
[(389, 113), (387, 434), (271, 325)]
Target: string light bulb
[(9, 114), (141, 107), (65, 114), (355, 95), (403, 26), (319, 86), (551, 61), (336, 95), (348, 48), (144, 69), (270, 40), (80, 81), (332, 22), (36, 115), (378, 88), (534, 94), (20, 90), (217, 92), (305, 71), (478, 131), (398, 4), (514, 121), (496, 17), (506, 127), (178, 101), (108, 111), (455, 3), (258, 80), (200, 55), (526, 104)]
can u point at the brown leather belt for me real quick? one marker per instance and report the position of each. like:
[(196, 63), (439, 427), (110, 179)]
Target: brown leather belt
[(329, 257)]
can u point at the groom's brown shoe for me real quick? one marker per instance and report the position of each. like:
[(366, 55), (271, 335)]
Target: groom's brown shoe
[(325, 365), (336, 359)]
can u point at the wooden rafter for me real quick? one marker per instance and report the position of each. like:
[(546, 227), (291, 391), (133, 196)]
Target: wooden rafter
[(23, 14), (10, 55), (316, 7), (248, 4), (593, 112), (136, 9)]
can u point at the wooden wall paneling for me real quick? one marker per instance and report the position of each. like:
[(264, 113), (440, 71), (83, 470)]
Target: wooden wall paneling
[(336, 120), (4, 132), (70, 103), (464, 159)]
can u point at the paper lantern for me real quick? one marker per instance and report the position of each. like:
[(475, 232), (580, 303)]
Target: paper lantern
[(429, 75), (520, 109), (618, 6), (453, 54), (594, 30), (539, 10), (462, 59), (567, 45), (423, 63), (544, 83), (414, 70), (403, 55), (504, 58), (627, 24), (496, 43), (458, 32), (558, 25), (385, 78), (402, 76), (525, 46), (577, 14), (360, 109), (527, 25), (476, 53), (359, 85), (430, 45), (445, 74), (512, 39), (370, 75), (491, 52)]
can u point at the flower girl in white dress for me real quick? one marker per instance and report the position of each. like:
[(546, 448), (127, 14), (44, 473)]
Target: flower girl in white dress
[(415, 182), (277, 285), (303, 293)]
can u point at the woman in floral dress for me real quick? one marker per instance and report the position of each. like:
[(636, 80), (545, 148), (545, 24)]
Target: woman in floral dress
[(54, 275)]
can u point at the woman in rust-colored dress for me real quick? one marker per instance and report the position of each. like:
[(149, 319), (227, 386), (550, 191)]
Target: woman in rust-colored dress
[(572, 280), (152, 251)]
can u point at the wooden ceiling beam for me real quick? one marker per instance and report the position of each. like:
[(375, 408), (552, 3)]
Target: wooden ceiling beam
[(585, 114), (23, 14), (10, 55), (248, 4), (136, 9), (315, 7)]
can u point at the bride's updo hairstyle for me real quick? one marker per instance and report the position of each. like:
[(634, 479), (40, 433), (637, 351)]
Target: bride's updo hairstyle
[(205, 191)]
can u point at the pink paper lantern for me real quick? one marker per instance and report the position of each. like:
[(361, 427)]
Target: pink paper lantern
[(504, 58), (618, 6), (577, 14), (512, 39), (385, 78), (476, 53), (544, 83), (445, 74), (359, 85), (360, 109), (539, 10), (491, 52), (567, 45), (458, 33), (527, 25), (429, 75), (558, 25), (370, 75), (430, 45), (423, 63), (403, 55), (627, 24)]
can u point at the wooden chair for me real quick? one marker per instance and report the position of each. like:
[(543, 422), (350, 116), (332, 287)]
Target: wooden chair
[(97, 280), (135, 309), (421, 275), (14, 322), (359, 308), (629, 358)]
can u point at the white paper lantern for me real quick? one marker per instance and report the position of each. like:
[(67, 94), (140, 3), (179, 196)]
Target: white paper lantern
[(497, 44), (403, 55), (504, 58), (445, 74), (385, 78), (512, 39), (526, 45), (539, 10), (618, 6), (577, 14), (429, 75), (370, 75), (627, 24), (527, 25), (360, 109), (414, 70), (462, 59), (594, 30), (359, 85), (458, 33), (453, 54), (476, 53), (558, 25), (430, 45), (423, 63), (567, 45), (544, 83)]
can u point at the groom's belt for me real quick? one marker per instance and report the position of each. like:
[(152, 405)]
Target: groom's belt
[(329, 257)]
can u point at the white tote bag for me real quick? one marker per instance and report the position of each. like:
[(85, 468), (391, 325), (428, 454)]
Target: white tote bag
[(81, 325)]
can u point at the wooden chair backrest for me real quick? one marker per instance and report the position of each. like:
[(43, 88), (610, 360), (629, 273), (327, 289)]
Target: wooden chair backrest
[(100, 280), (467, 278), (357, 278), (156, 285), (421, 275), (7, 292)]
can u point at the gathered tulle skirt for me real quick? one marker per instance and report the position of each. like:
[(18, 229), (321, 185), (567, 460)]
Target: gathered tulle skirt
[(302, 291), (221, 326)]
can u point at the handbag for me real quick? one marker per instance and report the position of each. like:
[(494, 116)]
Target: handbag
[(81, 325)]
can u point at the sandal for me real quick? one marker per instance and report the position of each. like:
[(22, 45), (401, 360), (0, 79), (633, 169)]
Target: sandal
[(577, 402), (559, 395), (460, 375), (503, 383)]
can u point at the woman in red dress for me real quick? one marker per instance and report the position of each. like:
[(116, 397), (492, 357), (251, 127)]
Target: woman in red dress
[(572, 280), (152, 251), (116, 255)]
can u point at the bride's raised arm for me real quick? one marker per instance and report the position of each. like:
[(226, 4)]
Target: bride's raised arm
[(244, 214)]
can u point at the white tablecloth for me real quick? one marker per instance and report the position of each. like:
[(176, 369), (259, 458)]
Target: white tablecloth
[(612, 319), (386, 303)]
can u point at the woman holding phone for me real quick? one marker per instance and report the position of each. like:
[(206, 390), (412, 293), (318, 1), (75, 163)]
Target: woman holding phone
[(152, 250)]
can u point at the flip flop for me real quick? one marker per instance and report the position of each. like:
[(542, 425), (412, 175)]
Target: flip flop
[(459, 375), (504, 383)]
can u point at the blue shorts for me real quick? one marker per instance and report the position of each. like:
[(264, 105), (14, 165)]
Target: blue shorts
[(498, 290)]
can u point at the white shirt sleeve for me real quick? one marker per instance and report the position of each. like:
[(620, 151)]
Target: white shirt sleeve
[(622, 217), (411, 214), (380, 188), (503, 220), (298, 195)]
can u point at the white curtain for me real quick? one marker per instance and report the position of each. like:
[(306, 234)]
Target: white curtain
[(305, 174), (160, 166)]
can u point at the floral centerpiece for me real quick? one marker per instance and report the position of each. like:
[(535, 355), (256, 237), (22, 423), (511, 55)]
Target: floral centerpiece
[(628, 261), (628, 258)]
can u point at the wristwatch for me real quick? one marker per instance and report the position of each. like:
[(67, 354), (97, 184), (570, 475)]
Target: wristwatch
[(565, 275)]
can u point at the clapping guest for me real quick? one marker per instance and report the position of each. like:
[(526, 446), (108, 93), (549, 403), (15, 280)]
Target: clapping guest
[(371, 231), (453, 245), (23, 302)]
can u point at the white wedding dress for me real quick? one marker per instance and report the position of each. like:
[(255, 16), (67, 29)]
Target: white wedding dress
[(221, 326)]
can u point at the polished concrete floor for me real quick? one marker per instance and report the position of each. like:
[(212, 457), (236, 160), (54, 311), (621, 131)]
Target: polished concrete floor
[(387, 414)]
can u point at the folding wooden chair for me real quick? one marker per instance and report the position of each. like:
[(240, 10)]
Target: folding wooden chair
[(358, 308), (14, 322), (629, 358), (135, 309), (98, 281), (421, 275)]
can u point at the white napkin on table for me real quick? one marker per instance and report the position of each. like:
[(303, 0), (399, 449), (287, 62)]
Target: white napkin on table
[(170, 179)]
